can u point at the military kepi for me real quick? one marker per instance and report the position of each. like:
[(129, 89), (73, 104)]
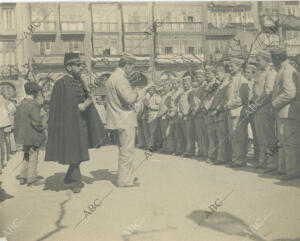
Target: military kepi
[(72, 58)]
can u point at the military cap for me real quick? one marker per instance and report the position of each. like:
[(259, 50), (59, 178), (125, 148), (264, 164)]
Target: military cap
[(199, 72), (252, 67), (187, 77), (72, 58), (159, 88), (31, 88), (128, 57), (278, 51), (265, 54), (209, 68), (237, 61)]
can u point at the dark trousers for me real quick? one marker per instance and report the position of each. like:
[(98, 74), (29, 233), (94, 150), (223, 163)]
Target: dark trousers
[(73, 173)]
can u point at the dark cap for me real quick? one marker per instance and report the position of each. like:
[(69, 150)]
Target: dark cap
[(72, 58), (278, 51), (128, 58), (31, 88)]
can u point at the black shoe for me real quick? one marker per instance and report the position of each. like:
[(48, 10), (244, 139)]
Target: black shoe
[(278, 173), (187, 155), (238, 165), (289, 177), (270, 170), (22, 181), (219, 162)]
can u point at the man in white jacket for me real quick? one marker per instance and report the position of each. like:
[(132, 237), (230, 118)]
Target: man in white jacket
[(122, 117), (237, 98)]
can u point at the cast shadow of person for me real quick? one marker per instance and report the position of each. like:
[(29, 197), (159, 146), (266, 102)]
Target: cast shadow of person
[(4, 195), (225, 223), (56, 181), (105, 174)]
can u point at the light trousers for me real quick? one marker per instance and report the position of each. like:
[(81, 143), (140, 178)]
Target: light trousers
[(289, 153), (239, 139), (29, 166), (126, 155)]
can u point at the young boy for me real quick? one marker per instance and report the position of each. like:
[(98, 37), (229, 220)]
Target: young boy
[(29, 132)]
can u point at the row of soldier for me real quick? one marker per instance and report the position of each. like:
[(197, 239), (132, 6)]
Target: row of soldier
[(211, 114)]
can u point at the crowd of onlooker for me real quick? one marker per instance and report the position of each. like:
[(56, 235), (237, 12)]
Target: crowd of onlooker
[(8, 145)]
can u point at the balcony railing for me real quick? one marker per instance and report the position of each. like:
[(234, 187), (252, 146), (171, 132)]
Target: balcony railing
[(136, 27), (9, 72), (74, 26), (221, 31), (105, 27), (45, 26), (179, 27)]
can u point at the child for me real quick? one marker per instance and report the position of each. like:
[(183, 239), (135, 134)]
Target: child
[(29, 132), (4, 123)]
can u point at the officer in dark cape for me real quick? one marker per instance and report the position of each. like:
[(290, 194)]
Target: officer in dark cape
[(74, 124)]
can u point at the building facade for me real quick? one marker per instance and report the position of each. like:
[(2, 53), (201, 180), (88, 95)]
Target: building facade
[(169, 39)]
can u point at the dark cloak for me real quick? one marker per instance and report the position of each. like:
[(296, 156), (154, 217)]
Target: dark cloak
[(72, 132)]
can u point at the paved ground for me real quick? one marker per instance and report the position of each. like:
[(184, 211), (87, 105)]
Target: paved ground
[(171, 204)]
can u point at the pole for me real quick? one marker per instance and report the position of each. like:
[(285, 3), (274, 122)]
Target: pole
[(153, 43), (122, 27)]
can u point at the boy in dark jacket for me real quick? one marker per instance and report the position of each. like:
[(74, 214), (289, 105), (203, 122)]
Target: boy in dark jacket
[(30, 132)]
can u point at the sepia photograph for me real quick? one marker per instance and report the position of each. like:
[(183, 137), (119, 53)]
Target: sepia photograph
[(149, 121)]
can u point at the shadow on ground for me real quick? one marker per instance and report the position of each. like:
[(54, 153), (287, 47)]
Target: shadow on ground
[(225, 223), (105, 174), (56, 181), (4, 195), (287, 239)]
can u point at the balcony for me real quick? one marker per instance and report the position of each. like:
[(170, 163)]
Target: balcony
[(179, 27), (230, 5), (73, 27), (221, 32), (45, 28), (137, 27), (105, 27), (50, 60), (8, 33), (9, 72)]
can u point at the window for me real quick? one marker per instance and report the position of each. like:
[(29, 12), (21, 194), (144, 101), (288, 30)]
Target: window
[(45, 48), (7, 53), (8, 67), (106, 44), (192, 50), (136, 44), (8, 18), (190, 19), (69, 20), (74, 46), (168, 50), (44, 12)]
